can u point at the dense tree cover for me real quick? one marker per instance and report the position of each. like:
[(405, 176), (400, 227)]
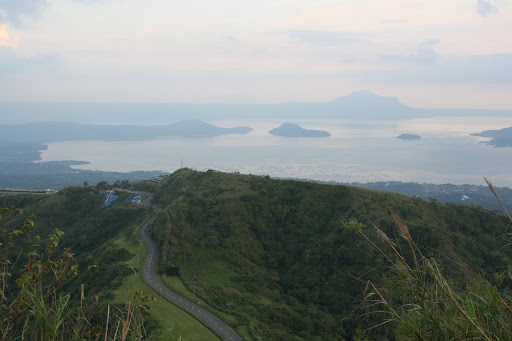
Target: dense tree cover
[(78, 212), (277, 249), (430, 307), (86, 229)]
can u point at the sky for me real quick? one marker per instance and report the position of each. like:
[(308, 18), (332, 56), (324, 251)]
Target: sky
[(437, 53)]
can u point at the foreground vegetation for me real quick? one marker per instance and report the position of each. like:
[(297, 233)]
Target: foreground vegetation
[(103, 273), (432, 307), (276, 253), (34, 302), (277, 260)]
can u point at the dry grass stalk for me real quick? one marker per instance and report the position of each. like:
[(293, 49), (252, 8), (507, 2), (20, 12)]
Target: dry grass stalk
[(419, 276), (383, 235), (108, 320), (391, 245), (491, 187), (404, 230), (117, 329)]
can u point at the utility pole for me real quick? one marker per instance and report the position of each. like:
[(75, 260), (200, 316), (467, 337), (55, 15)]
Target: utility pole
[(229, 308)]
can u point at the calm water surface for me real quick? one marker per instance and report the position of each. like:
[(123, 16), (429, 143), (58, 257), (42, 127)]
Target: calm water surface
[(356, 151)]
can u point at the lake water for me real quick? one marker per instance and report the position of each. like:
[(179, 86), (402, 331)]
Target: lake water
[(357, 151)]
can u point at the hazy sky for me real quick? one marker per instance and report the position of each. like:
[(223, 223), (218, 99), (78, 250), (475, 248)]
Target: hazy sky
[(437, 53)]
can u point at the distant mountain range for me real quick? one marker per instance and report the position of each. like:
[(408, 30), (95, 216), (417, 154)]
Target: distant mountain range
[(359, 105), (66, 131)]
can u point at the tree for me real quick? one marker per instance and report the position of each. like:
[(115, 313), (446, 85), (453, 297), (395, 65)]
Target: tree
[(103, 185), (433, 308), (32, 302)]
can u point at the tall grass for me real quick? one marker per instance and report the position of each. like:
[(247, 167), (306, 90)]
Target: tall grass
[(34, 307), (421, 303)]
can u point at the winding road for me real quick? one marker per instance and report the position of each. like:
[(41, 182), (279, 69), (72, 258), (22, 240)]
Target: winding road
[(151, 277)]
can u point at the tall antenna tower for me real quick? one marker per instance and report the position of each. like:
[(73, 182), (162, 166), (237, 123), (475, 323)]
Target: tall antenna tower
[(182, 161)]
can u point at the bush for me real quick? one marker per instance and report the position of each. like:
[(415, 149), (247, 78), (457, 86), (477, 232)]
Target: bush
[(32, 303)]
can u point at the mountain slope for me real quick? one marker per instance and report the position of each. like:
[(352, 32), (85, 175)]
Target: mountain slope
[(276, 249), (87, 229), (105, 237)]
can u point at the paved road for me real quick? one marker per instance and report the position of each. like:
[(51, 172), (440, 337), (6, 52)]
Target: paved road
[(151, 277)]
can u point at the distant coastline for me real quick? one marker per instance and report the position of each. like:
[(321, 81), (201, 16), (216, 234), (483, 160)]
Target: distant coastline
[(499, 138), (43, 132)]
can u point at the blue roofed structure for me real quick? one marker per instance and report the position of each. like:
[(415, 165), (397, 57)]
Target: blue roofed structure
[(109, 199)]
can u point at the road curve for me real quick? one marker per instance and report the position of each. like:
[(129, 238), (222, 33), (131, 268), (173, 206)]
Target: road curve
[(150, 276)]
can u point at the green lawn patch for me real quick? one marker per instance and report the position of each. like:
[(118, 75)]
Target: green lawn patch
[(175, 284), (176, 323)]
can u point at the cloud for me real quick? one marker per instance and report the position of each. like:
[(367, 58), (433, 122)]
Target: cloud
[(485, 8), (394, 21), (90, 1), (486, 69), (476, 69), (5, 39), (232, 46), (14, 10), (424, 54), (321, 37), (11, 63)]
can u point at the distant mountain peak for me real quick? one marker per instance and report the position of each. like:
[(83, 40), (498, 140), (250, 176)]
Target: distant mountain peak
[(362, 93), (290, 125), (366, 95), (191, 123), (368, 105)]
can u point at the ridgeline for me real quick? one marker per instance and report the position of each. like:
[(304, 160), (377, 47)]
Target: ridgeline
[(277, 254), (274, 259)]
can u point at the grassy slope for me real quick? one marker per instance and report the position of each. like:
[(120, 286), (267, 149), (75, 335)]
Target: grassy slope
[(105, 237), (276, 250), (175, 322)]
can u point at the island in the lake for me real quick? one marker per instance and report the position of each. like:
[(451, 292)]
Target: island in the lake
[(499, 138), (409, 137), (294, 130)]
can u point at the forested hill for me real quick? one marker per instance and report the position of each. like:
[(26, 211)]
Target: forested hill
[(278, 252), (88, 229)]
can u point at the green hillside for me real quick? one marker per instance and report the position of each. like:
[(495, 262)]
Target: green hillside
[(276, 259), (101, 236), (277, 250)]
